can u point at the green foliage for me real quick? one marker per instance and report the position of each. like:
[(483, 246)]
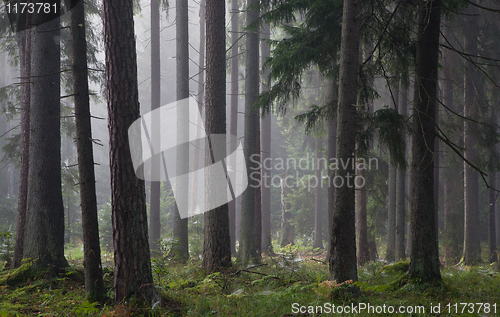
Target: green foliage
[(6, 248), (391, 128), (313, 40)]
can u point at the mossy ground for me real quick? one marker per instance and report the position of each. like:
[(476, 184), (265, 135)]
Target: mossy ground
[(267, 289)]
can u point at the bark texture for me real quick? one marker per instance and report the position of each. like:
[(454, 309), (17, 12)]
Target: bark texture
[(343, 244), (217, 245), (424, 261), (233, 129), (128, 199), (154, 209), (265, 141), (401, 189), (24, 43), (180, 250), (247, 233), (472, 243), (94, 285), (44, 234), (318, 198)]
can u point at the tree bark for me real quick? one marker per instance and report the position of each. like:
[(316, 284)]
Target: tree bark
[(233, 130), (128, 198), (44, 234), (24, 43), (180, 234), (94, 285), (472, 244), (401, 189), (258, 197), (332, 145), (247, 234), (318, 198), (424, 261), (342, 262), (265, 140), (217, 245), (492, 233), (390, 253), (154, 205), (362, 221)]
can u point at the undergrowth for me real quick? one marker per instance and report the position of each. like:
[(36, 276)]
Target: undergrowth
[(269, 288)]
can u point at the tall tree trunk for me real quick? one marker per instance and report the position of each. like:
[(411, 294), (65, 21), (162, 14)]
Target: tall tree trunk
[(247, 234), (390, 254), (436, 179), (44, 233), (128, 198), (217, 245), (424, 260), (24, 42), (401, 188), (343, 244), (94, 285), (332, 154), (258, 197), (233, 129), (318, 198), (265, 140), (472, 244), (452, 183), (180, 250), (492, 233), (154, 205)]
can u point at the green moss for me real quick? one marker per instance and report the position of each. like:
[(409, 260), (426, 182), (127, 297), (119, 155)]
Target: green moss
[(19, 275), (396, 268)]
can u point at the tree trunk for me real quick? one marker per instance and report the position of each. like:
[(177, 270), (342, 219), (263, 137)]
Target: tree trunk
[(180, 234), (318, 197), (287, 229), (390, 253), (94, 285), (401, 189), (233, 130), (492, 233), (44, 233), (128, 198), (217, 245), (24, 42), (472, 243), (362, 221), (332, 145), (342, 262), (424, 260), (436, 179), (154, 206), (452, 183), (258, 197), (247, 234), (265, 140)]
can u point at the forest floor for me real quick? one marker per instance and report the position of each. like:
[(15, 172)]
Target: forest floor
[(281, 285)]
